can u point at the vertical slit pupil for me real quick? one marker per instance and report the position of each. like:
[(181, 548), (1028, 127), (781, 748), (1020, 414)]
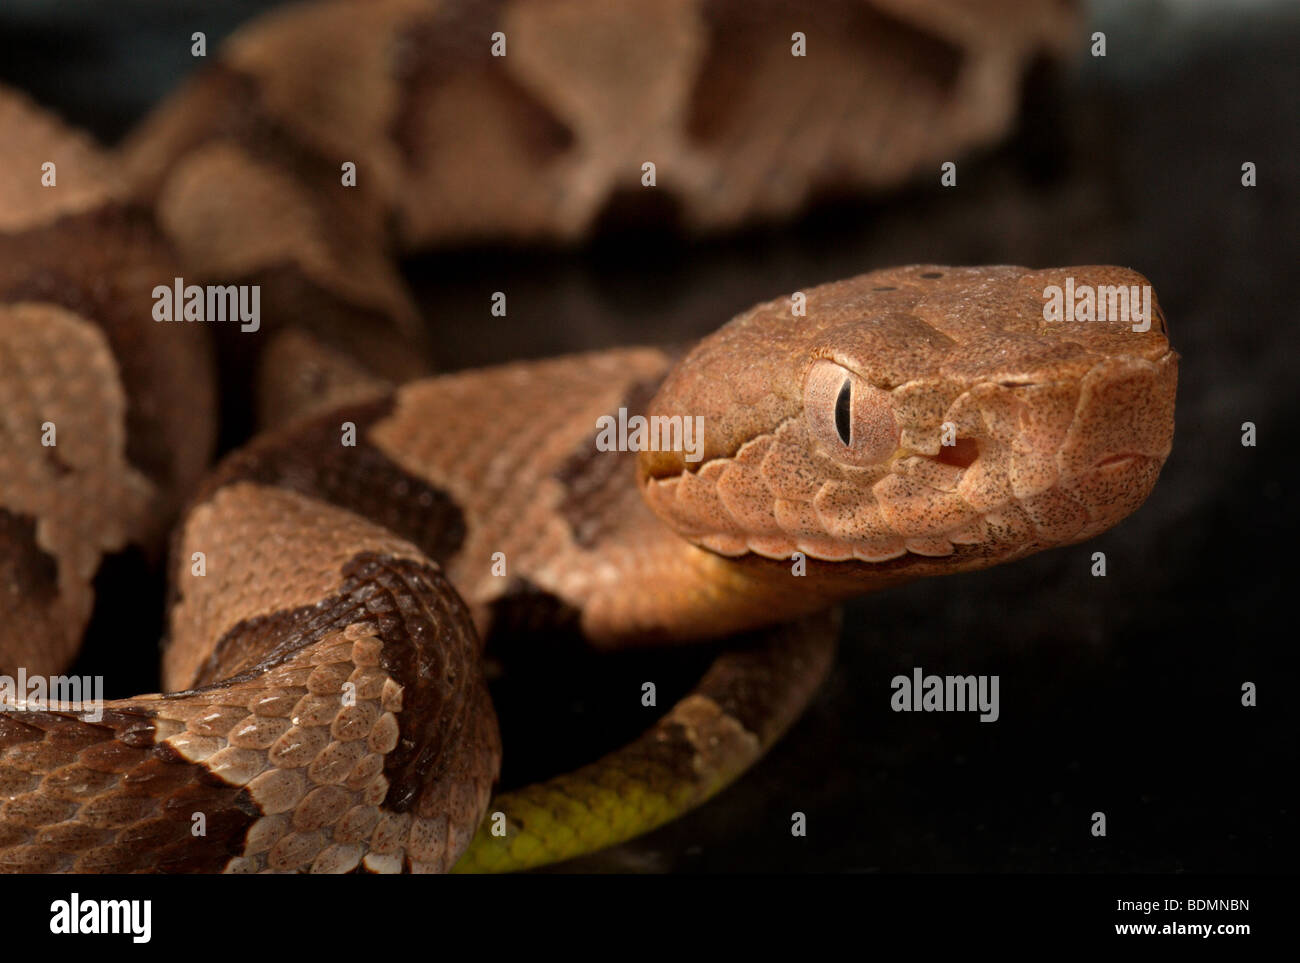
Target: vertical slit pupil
[(843, 406)]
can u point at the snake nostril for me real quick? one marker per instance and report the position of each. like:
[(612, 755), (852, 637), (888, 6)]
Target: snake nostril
[(961, 454)]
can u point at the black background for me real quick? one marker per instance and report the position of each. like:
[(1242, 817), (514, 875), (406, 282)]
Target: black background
[(1119, 694)]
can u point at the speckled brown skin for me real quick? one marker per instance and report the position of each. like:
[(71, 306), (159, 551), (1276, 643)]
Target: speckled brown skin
[(459, 144), (130, 405), (452, 144), (326, 707)]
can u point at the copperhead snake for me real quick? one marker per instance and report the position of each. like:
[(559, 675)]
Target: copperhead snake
[(325, 707)]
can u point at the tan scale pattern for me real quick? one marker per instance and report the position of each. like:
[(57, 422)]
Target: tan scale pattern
[(76, 801), (84, 497), (313, 765), (76, 269), (76, 796), (299, 375), (461, 145), (264, 550), (84, 178), (501, 436), (268, 551), (269, 220)]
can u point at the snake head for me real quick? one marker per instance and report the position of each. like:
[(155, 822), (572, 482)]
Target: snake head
[(921, 419)]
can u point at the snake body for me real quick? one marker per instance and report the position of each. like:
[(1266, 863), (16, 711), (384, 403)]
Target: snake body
[(325, 707)]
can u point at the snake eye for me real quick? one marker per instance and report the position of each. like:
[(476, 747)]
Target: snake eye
[(842, 403), (852, 420)]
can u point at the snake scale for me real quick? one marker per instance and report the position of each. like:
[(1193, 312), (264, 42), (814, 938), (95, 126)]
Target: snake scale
[(325, 704)]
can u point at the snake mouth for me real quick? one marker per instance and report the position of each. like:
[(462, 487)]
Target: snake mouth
[(1059, 515)]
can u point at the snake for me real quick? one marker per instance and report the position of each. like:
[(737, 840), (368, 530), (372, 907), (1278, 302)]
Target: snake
[(332, 581)]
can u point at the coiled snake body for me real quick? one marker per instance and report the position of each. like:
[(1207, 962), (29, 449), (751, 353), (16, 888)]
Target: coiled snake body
[(325, 705)]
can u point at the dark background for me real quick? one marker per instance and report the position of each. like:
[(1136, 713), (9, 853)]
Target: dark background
[(1119, 694)]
